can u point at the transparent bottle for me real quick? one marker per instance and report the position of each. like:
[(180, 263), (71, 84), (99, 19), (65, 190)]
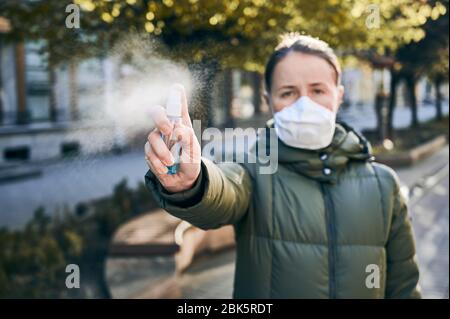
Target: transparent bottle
[(173, 111)]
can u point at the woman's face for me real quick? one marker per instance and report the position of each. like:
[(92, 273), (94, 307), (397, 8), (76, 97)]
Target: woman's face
[(299, 74)]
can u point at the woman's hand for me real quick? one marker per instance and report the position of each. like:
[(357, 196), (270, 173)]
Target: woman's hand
[(158, 155)]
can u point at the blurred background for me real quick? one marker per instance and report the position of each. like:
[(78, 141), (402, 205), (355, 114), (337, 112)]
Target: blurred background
[(78, 79)]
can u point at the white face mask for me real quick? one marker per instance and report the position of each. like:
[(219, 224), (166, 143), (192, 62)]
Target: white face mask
[(305, 124)]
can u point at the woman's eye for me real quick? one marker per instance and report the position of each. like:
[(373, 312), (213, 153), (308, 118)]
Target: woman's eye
[(318, 91), (286, 94)]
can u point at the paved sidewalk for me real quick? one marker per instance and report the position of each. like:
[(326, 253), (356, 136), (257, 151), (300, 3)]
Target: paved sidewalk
[(426, 167), (430, 221), (210, 277), (68, 182)]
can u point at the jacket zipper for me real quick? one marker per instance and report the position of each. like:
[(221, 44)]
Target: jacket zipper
[(331, 234)]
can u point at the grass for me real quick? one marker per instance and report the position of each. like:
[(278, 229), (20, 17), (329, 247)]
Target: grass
[(408, 138)]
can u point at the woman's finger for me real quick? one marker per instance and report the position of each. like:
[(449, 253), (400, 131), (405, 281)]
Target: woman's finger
[(155, 163), (161, 120), (160, 148), (185, 136)]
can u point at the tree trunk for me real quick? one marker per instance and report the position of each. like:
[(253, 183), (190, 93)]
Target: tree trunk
[(73, 91), (411, 84), (392, 104), (380, 110), (1, 86), (438, 101), (227, 88), (256, 79), (52, 93), (202, 101)]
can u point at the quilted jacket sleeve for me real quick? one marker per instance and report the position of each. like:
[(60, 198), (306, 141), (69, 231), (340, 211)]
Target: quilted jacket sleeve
[(402, 268), (220, 196)]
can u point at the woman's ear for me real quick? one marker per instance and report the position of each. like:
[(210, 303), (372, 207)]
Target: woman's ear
[(341, 92), (266, 98), (268, 101)]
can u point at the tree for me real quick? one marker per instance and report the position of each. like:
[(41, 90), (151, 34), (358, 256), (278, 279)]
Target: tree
[(429, 56), (438, 74), (223, 34)]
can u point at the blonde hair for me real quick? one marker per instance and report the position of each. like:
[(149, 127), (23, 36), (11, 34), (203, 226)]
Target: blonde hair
[(295, 42)]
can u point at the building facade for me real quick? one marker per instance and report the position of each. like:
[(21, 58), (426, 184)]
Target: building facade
[(47, 114)]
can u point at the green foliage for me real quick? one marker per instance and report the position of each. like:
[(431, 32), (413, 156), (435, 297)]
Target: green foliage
[(429, 56), (33, 259), (237, 33)]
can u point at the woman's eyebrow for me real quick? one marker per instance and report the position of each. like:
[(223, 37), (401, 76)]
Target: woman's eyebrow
[(317, 83), (286, 87)]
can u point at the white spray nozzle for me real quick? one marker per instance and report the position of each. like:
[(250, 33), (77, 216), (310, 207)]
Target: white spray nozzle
[(173, 106)]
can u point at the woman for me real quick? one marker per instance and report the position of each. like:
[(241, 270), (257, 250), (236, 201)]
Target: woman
[(329, 223)]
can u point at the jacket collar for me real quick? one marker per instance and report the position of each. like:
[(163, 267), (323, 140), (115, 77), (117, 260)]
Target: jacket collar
[(327, 163)]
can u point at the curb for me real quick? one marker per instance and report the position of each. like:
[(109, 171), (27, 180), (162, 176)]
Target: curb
[(412, 156), (14, 173), (426, 183)]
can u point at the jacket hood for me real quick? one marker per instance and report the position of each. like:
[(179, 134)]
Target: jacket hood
[(325, 164)]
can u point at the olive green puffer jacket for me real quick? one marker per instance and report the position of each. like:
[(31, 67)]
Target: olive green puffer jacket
[(322, 226)]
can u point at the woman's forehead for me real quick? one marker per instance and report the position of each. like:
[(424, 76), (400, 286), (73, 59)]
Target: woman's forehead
[(297, 67)]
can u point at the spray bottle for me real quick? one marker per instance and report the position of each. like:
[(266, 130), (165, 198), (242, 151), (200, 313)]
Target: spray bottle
[(173, 111)]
